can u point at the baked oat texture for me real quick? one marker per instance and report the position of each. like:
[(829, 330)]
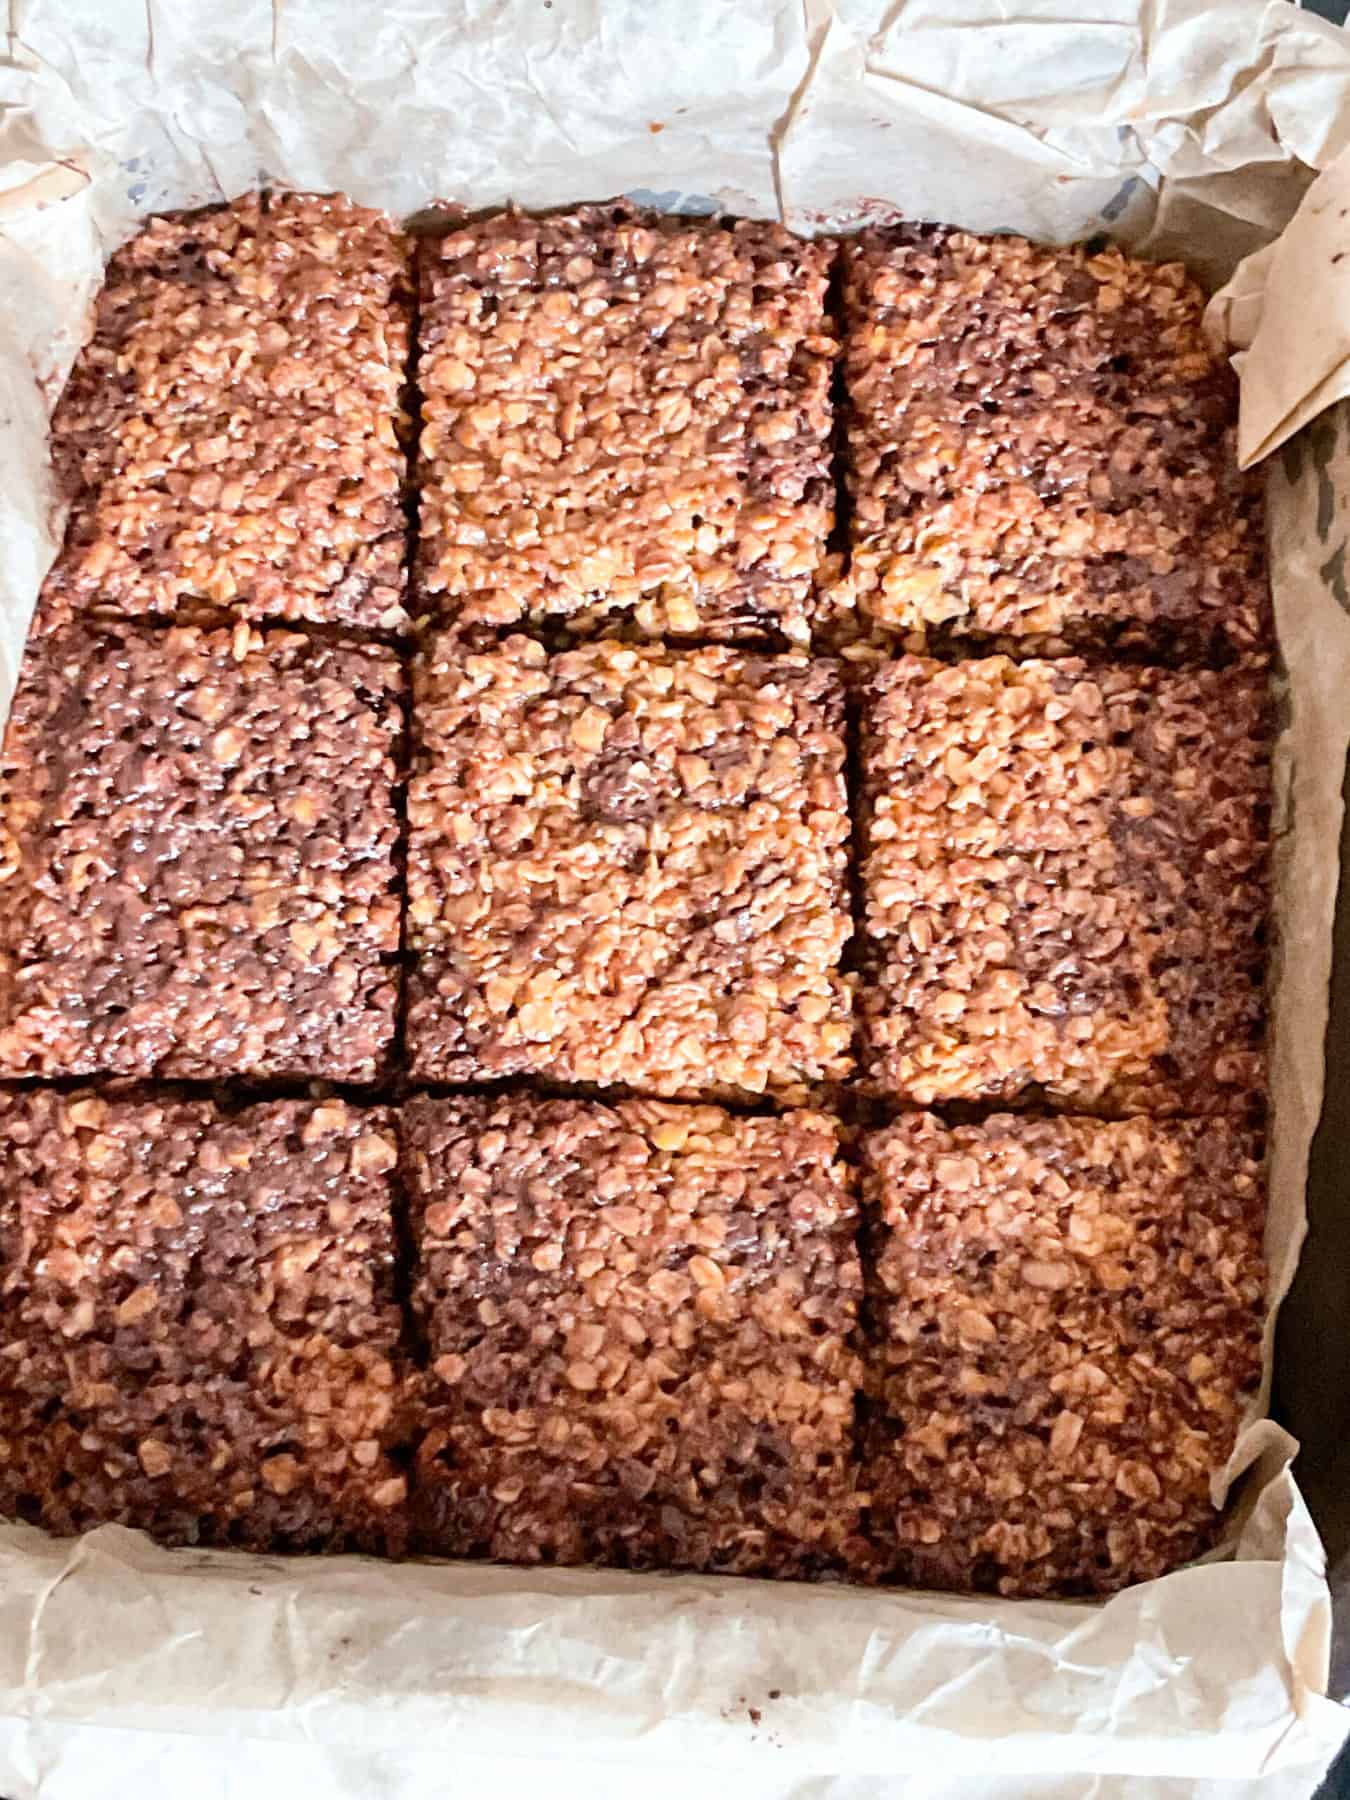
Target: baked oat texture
[(645, 1325), (198, 872), (1066, 1330), (625, 420), (230, 437), (639, 1317), (197, 1325), (1065, 879), (1041, 446), (627, 867)]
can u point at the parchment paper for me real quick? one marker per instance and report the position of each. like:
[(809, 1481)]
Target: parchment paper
[(1179, 127)]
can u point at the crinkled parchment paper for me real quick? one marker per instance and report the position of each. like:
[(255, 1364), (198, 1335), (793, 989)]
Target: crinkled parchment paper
[(1179, 127)]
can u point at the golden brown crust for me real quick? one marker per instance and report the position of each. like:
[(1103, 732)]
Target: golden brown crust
[(198, 1320), (626, 421), (642, 1328), (638, 1321), (230, 436), (1066, 884), (199, 871), (1041, 449), (626, 868), (1065, 1318)]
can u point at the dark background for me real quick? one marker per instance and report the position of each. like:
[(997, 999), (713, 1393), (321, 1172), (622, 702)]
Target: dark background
[(1312, 1392), (1312, 1388)]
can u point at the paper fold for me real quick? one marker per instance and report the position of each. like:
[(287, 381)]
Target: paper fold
[(1286, 311)]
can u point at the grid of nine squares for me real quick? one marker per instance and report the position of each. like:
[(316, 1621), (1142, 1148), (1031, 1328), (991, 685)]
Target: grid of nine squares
[(746, 555)]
